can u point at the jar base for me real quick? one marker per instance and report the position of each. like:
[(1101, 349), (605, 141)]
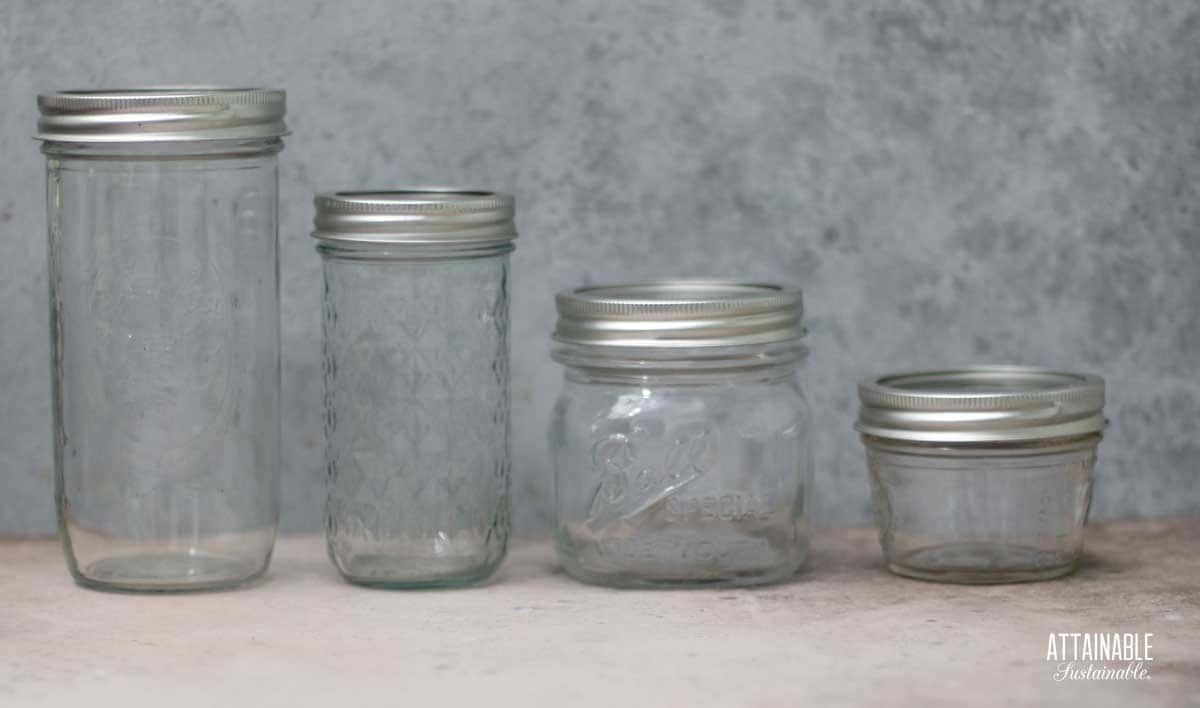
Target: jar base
[(168, 572), (679, 558), (389, 573), (624, 581), (981, 564)]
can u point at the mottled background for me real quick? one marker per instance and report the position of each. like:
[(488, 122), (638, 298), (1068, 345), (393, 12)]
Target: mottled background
[(948, 182)]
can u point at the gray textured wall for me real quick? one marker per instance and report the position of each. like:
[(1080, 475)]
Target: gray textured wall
[(949, 182)]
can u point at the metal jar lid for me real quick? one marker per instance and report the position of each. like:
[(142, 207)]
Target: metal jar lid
[(161, 114), (981, 405), (678, 314), (430, 220)]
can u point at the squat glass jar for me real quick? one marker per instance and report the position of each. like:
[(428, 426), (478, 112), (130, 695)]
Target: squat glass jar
[(164, 312), (982, 475), (681, 437), (415, 317)]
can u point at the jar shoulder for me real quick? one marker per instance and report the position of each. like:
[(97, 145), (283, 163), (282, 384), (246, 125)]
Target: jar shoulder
[(750, 409)]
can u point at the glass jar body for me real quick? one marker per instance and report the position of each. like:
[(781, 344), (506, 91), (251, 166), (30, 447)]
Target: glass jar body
[(692, 480), (165, 343), (982, 513), (416, 417)]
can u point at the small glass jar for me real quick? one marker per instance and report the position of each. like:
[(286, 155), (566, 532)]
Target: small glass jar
[(415, 317), (164, 313), (681, 438), (982, 475)]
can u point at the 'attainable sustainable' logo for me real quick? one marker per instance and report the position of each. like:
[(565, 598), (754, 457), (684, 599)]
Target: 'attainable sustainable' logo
[(1100, 656)]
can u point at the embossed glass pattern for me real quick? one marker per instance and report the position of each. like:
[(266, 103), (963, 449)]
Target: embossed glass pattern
[(680, 465), (980, 514), (416, 403), (165, 333)]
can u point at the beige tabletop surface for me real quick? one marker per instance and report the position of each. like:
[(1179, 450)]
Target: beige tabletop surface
[(844, 632)]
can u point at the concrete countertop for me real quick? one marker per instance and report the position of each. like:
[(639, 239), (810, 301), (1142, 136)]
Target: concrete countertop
[(845, 632)]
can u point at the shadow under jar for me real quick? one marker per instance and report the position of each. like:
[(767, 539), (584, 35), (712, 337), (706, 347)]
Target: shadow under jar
[(415, 319), (982, 475), (681, 437), (164, 311)]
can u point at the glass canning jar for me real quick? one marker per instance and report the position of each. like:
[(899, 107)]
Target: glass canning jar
[(681, 438), (164, 312), (981, 475), (415, 316)]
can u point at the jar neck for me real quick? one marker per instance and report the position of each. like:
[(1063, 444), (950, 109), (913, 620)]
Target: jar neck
[(762, 375), (408, 252), (1046, 446), (763, 363), (168, 150)]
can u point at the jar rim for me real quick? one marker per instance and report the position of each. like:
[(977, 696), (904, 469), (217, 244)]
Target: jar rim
[(981, 404), (678, 314), (161, 114), (421, 220)]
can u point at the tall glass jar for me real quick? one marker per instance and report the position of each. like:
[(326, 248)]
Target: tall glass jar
[(415, 314), (681, 438), (164, 311)]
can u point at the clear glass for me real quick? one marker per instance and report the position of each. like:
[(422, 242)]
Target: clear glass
[(164, 308), (682, 479), (982, 513), (416, 416)]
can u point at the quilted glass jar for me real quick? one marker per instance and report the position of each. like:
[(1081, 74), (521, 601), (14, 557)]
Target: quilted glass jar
[(164, 306), (415, 316), (681, 437), (982, 475)]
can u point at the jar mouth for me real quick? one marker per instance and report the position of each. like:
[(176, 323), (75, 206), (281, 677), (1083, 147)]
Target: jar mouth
[(414, 222), (146, 93), (685, 314), (166, 114), (681, 296), (981, 405), (412, 199)]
